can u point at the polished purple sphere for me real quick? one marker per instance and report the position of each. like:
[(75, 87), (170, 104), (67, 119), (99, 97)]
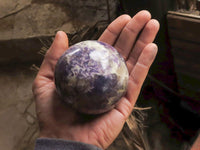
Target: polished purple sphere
[(91, 76)]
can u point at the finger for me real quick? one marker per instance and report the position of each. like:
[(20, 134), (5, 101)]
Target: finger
[(130, 32), (147, 36), (112, 32), (136, 79), (58, 47), (139, 73)]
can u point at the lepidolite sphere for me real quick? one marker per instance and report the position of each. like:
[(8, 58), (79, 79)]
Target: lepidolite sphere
[(91, 76)]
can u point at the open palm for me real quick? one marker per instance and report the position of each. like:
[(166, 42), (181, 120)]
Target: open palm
[(133, 38)]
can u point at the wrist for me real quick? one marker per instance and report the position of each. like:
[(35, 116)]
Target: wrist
[(55, 135)]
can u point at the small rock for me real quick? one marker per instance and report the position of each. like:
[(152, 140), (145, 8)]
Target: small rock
[(30, 119)]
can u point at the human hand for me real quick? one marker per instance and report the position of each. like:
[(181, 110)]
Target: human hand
[(133, 38)]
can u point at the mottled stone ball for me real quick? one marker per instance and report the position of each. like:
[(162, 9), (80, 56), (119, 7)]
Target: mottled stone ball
[(91, 76)]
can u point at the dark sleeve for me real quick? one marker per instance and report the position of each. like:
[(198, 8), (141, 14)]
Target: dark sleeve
[(58, 144)]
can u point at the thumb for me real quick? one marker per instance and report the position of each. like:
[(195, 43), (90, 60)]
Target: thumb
[(59, 46)]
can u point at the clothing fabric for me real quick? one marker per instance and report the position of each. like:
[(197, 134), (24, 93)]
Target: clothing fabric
[(58, 144)]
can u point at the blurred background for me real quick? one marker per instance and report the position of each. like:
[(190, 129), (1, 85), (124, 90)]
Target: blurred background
[(27, 29)]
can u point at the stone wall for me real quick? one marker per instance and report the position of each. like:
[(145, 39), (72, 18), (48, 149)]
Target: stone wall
[(25, 21)]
